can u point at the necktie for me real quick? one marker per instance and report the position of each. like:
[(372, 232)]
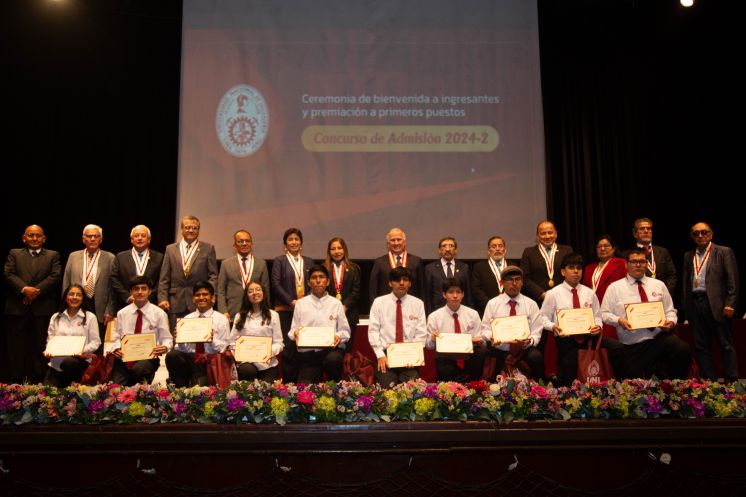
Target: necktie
[(515, 348), (243, 263), (641, 289), (647, 252), (457, 329), (512, 306), (399, 323), (575, 299), (199, 349), (138, 323), (398, 260), (89, 282), (449, 271)]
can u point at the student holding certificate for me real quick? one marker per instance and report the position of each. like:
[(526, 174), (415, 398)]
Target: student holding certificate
[(319, 330), (450, 322), (141, 336), (511, 348), (256, 319), (573, 314), (187, 362), (652, 348), (70, 321), (396, 318)]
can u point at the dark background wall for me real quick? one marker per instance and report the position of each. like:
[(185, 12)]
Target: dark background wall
[(642, 103)]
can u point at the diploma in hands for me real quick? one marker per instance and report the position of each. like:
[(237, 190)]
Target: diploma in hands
[(315, 336), (253, 349), (576, 321), (510, 329), (401, 355), (454, 343), (60, 346), (194, 330), (138, 347), (645, 315)]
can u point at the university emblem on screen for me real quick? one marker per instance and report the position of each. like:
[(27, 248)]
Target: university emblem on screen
[(242, 120)]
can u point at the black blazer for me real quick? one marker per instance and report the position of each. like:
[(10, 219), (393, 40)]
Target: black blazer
[(350, 293), (43, 272), (434, 277), (665, 270), (379, 276), (283, 279), (484, 285), (721, 280), (535, 279), (123, 270)]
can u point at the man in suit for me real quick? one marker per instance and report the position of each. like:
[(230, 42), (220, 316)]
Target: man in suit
[(541, 266), (91, 268), (660, 263), (486, 282), (184, 264), (140, 260), (397, 256), (710, 293), (447, 267), (237, 272), (33, 277)]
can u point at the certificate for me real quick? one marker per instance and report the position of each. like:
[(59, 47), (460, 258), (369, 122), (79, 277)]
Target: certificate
[(138, 347), (253, 349), (59, 346), (576, 321), (401, 355), (315, 336), (454, 343), (110, 328), (194, 330), (510, 329), (645, 314)]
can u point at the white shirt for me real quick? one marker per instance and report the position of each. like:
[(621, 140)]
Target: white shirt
[(154, 320), (442, 320), (382, 325), (560, 298), (625, 291), (66, 327), (220, 333), (499, 307), (324, 311), (253, 327)]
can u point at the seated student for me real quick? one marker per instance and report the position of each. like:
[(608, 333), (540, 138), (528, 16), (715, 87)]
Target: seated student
[(140, 317), (395, 318), (513, 303), (187, 362), (570, 294), (647, 351), (456, 318), (256, 319), (320, 309), (71, 320)]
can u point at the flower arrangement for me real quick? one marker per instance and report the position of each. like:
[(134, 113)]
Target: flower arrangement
[(504, 401)]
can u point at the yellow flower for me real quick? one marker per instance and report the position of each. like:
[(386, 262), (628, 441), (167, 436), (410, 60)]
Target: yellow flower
[(279, 407), (326, 404), (424, 406), (136, 409), (392, 401), (209, 408)]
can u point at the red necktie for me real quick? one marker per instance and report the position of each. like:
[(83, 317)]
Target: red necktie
[(457, 329), (576, 305), (399, 323), (199, 350), (647, 251), (515, 349), (641, 289), (138, 323), (243, 263), (512, 307)]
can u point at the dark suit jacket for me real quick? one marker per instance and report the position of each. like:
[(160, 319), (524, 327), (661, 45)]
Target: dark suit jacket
[(350, 293), (434, 277), (230, 288), (535, 279), (102, 291), (664, 268), (43, 272), (124, 270), (175, 287), (379, 276), (721, 280), (484, 285), (283, 279)]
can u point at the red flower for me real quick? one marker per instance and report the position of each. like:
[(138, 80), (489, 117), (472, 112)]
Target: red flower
[(479, 386), (666, 386), (305, 397)]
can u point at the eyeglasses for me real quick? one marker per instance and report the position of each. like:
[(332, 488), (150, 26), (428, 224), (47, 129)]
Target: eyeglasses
[(92, 237), (190, 228), (638, 262), (701, 232)]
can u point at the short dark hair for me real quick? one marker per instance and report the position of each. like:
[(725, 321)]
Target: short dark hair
[(291, 231), (635, 250), (141, 280), (398, 273), (449, 283), (203, 285), (318, 268), (455, 243), (572, 259)]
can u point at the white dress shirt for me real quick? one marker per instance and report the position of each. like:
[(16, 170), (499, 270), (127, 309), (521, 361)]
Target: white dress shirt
[(253, 327), (625, 291), (382, 325), (324, 311), (154, 320), (499, 307), (442, 320), (66, 326), (560, 298), (220, 333)]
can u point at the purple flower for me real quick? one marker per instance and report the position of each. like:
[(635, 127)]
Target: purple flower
[(95, 406), (653, 405), (179, 408), (431, 391), (6, 402), (364, 402), (235, 404)]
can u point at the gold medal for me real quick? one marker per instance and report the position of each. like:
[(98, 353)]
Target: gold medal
[(696, 282), (551, 283), (299, 291), (339, 296)]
